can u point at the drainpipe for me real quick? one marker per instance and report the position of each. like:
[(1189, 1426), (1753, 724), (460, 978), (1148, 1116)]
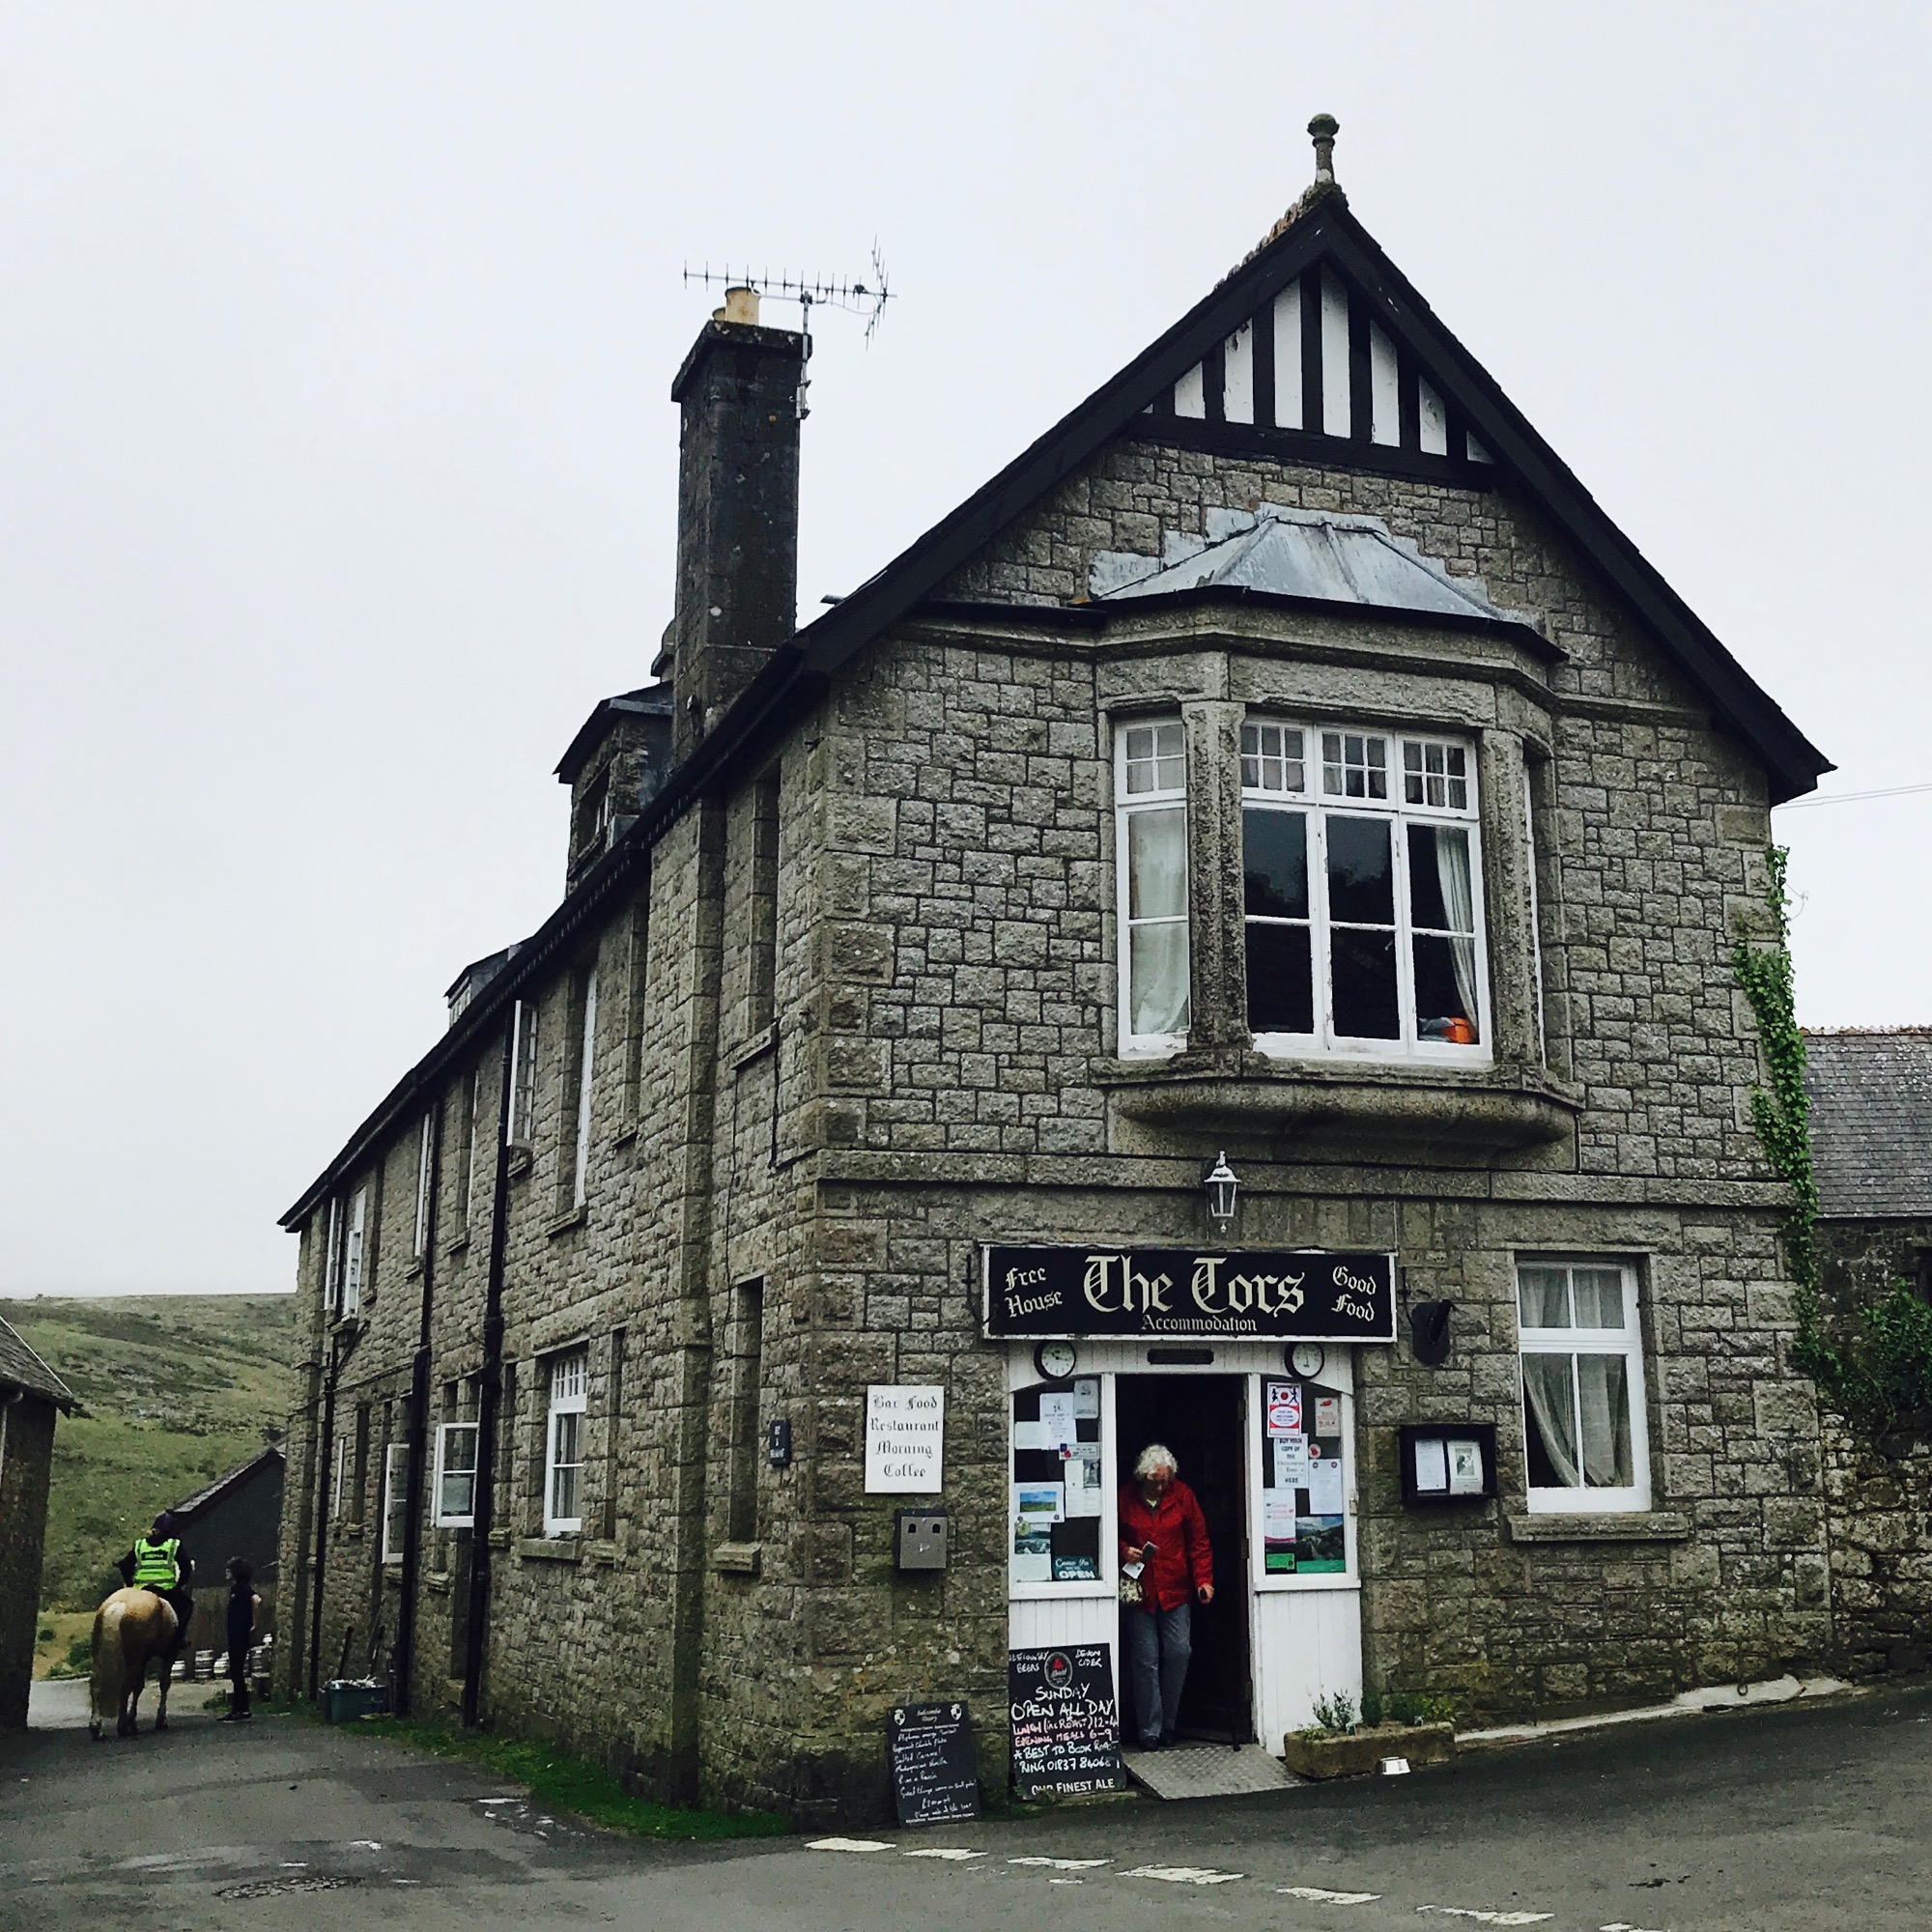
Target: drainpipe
[(404, 1664), (322, 1471), (489, 1393)]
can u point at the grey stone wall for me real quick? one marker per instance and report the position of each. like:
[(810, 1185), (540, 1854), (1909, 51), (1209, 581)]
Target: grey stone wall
[(26, 1464)]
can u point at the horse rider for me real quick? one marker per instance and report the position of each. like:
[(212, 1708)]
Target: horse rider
[(155, 1563)]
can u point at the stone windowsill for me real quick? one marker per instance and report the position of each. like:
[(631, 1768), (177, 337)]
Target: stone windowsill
[(627, 1132), (759, 1044), (349, 1328), (457, 1244), (520, 1159), (1646, 1526), (550, 1548), (414, 1268), (603, 1550), (498, 1539), (563, 1223), (1400, 1106), (437, 1580), (737, 1559)]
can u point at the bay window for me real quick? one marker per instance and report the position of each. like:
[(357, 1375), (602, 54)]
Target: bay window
[(1150, 791), (1362, 888), (1584, 1430)]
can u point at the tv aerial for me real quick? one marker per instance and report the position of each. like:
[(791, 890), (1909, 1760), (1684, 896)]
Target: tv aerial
[(855, 296)]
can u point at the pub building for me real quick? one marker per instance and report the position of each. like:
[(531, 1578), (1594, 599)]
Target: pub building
[(1226, 941)]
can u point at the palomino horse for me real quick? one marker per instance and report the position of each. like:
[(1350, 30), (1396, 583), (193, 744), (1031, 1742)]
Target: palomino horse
[(132, 1630)]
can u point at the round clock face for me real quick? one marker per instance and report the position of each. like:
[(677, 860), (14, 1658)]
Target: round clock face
[(1305, 1358), (1055, 1360)]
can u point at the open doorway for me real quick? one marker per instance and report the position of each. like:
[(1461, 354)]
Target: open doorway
[(1201, 1419)]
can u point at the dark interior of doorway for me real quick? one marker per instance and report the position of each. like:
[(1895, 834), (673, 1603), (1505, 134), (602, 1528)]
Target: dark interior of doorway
[(1200, 1418)]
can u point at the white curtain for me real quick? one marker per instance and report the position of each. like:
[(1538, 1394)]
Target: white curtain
[(1451, 870), (1545, 1382), (1602, 1384), (1157, 921)]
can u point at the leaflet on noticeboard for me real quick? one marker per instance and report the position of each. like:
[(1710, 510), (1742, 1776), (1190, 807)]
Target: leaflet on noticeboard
[(1153, 1294)]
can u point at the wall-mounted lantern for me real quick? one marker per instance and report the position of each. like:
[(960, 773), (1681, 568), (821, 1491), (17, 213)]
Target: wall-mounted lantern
[(1223, 1187)]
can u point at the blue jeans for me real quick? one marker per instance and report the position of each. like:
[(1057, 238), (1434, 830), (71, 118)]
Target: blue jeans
[(1159, 1645)]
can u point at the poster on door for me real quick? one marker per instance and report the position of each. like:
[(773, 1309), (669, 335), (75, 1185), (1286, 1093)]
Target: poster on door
[(1304, 1506)]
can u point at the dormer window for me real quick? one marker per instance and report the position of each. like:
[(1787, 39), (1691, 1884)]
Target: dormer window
[(593, 816)]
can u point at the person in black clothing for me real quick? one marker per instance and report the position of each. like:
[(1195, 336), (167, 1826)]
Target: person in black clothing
[(243, 1606)]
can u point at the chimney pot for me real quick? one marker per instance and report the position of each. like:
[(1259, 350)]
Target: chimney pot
[(741, 304)]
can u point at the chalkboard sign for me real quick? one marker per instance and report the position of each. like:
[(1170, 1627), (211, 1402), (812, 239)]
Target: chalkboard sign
[(1067, 1725), (936, 1772)]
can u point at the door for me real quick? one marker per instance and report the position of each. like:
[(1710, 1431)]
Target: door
[(1201, 1418)]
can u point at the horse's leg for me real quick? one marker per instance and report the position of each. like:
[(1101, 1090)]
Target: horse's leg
[(167, 1671)]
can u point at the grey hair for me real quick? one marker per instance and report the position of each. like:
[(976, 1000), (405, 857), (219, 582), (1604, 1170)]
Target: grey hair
[(1156, 1456)]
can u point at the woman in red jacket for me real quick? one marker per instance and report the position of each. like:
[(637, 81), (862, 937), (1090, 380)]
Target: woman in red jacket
[(1163, 1530)]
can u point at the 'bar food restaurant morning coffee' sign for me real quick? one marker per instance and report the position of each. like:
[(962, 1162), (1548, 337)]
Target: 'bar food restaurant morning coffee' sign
[(1258, 1293)]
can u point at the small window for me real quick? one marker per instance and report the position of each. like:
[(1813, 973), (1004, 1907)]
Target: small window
[(586, 1054), (338, 1481), (1152, 833), (1585, 1427), (425, 1166), (353, 1250), (332, 1261), (563, 1462), (522, 1125), (456, 1475), (395, 1500)]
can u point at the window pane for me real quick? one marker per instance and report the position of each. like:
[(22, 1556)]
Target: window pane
[(1281, 982), (1274, 860), (1542, 1297), (1550, 1409), (1441, 896), (1271, 757), (1600, 1297), (1445, 990), (459, 1493), (1362, 968), (1603, 1383), (1354, 766), (1157, 758), (1158, 864), (1157, 978), (1361, 877)]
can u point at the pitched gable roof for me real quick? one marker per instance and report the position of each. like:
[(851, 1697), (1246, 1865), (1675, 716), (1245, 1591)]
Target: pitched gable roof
[(22, 1369), (264, 1460), (1871, 1122)]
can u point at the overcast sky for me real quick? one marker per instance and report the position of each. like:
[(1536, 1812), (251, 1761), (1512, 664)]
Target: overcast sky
[(337, 463)]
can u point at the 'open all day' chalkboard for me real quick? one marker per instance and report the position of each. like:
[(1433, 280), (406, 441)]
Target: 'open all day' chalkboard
[(1066, 1723), (935, 1770)]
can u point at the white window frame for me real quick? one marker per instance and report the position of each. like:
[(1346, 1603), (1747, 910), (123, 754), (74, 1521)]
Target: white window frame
[(1127, 804), (424, 1145), (353, 1250), (446, 1433), (1626, 1342), (518, 1126), (569, 1397), (1313, 799), (395, 1500), (586, 1069), (332, 1261), (338, 1481)]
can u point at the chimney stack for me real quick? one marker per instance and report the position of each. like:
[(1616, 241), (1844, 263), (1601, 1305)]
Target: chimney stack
[(737, 513)]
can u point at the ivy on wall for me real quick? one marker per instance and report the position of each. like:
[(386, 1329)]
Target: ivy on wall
[(1874, 1367)]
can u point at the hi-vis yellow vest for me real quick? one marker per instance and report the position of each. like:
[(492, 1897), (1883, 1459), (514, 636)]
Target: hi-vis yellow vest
[(155, 1563)]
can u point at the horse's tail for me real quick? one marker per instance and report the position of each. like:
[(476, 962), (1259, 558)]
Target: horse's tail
[(111, 1666)]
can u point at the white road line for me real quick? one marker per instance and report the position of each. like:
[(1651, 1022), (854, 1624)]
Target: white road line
[(1064, 1864), (1185, 1874), (957, 1853), (848, 1845), (1316, 1895), (1489, 1917), (1622, 1925)]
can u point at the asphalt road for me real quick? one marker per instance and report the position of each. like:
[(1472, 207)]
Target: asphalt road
[(1810, 1816)]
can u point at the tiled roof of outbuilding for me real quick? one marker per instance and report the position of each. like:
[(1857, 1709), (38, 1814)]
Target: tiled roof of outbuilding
[(21, 1368), (1871, 1120)]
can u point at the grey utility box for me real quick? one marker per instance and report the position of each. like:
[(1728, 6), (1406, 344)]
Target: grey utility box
[(919, 1539)]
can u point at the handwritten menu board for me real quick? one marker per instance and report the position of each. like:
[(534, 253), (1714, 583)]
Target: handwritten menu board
[(935, 1769), (1066, 1725)]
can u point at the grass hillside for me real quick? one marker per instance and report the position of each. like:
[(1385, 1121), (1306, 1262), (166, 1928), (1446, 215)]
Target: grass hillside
[(177, 1389)]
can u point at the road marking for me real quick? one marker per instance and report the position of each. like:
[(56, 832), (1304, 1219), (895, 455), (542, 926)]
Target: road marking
[(1316, 1895), (1064, 1864), (1621, 1925), (848, 1845), (1185, 1874), (1489, 1917), (959, 1854)]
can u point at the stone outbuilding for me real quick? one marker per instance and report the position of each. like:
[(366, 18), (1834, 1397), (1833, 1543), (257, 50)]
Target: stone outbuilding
[(1225, 941), (238, 1514), (32, 1398)]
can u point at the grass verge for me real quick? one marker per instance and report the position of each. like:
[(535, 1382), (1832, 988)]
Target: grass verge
[(566, 1784)]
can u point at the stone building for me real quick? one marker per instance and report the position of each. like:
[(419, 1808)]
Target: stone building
[(32, 1397), (1225, 939)]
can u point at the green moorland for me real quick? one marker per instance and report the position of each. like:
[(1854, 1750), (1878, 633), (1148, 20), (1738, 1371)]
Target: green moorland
[(175, 1388)]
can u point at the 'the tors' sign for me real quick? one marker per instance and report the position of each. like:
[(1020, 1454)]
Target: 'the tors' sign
[(1297, 1294)]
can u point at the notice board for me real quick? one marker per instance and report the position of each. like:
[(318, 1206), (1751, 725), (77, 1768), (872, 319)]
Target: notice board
[(1066, 1723), (935, 1769)]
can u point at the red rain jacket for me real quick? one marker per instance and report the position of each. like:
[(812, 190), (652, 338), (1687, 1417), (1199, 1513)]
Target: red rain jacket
[(1182, 1562)]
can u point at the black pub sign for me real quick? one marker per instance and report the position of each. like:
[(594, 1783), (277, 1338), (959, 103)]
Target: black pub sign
[(1296, 1295)]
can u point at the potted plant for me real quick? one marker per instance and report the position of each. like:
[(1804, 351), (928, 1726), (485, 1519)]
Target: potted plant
[(1340, 1744)]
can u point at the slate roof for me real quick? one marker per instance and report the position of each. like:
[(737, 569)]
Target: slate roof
[(1871, 1120), (21, 1368), (1316, 555), (192, 1506)]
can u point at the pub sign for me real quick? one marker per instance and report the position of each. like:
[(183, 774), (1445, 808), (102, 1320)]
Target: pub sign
[(1294, 1294)]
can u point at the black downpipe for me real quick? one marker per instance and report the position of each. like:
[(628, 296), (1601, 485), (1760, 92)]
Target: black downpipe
[(323, 1473), (490, 1394), (403, 1664)]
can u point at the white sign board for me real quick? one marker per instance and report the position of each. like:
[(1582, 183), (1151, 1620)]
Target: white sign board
[(905, 1436)]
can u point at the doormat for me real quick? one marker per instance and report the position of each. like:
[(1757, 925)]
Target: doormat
[(1207, 1771)]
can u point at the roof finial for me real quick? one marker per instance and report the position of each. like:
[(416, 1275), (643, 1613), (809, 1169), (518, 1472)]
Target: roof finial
[(1324, 128)]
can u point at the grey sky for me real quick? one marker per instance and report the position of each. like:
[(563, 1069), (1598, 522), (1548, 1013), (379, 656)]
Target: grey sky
[(338, 464)]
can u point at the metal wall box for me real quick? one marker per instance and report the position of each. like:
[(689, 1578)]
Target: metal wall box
[(1448, 1462), (919, 1539)]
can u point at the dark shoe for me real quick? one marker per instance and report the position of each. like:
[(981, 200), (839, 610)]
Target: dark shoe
[(1149, 1745)]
